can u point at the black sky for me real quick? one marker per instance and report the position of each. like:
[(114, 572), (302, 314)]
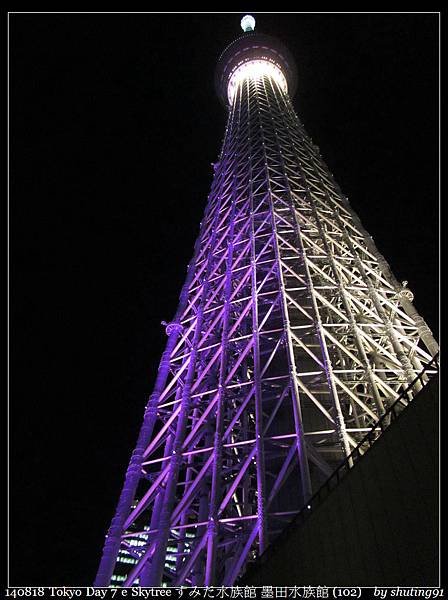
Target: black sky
[(113, 125)]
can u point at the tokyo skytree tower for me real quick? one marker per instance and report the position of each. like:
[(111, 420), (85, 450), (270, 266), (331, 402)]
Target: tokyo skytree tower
[(292, 337)]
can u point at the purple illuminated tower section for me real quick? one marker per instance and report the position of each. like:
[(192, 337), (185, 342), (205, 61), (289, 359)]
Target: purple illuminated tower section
[(292, 337)]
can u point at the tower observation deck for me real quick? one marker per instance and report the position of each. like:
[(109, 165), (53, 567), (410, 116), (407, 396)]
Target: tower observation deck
[(292, 337)]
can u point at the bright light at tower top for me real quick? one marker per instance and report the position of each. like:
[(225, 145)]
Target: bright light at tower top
[(247, 23), (255, 69)]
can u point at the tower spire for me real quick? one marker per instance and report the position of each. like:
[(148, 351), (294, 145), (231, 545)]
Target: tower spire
[(248, 23)]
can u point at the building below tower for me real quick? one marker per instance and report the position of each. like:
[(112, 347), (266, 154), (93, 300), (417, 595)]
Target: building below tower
[(379, 526)]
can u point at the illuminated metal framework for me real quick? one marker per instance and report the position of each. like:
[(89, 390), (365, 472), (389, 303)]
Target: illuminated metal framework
[(291, 339)]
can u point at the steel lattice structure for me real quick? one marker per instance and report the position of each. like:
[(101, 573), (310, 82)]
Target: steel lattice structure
[(291, 339)]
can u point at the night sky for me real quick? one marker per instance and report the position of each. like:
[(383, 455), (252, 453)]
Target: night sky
[(114, 122)]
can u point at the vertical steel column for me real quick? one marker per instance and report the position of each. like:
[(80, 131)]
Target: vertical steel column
[(215, 493), (259, 443), (145, 574)]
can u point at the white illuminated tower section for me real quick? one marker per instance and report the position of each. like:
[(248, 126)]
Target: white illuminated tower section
[(291, 339)]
